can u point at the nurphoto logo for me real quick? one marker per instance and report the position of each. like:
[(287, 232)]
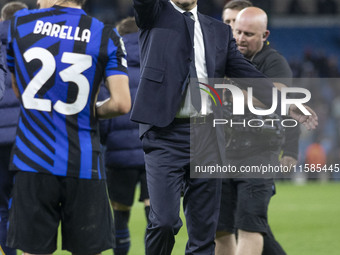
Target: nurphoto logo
[(239, 107)]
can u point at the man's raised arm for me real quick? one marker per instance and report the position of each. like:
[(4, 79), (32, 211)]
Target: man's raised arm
[(146, 11)]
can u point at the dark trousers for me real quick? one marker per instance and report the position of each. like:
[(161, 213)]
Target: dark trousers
[(167, 155), (6, 183)]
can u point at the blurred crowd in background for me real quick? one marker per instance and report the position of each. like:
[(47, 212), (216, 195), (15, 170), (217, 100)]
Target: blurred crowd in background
[(307, 33), (111, 11)]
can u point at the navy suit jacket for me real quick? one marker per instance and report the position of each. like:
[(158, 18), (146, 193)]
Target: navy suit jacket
[(165, 47)]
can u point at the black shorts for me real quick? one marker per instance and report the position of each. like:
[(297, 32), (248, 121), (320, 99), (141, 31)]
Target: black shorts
[(244, 201), (244, 205), (41, 201), (122, 182)]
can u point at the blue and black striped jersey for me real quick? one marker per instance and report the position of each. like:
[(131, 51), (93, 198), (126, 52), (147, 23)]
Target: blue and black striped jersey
[(59, 57)]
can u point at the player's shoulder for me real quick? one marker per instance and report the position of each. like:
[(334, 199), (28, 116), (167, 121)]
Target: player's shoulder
[(25, 12), (111, 31), (26, 15)]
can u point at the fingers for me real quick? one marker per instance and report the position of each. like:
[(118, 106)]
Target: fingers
[(313, 118), (309, 121), (311, 111), (288, 161)]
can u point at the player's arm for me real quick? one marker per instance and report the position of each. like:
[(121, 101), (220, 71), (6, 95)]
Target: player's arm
[(116, 81), (119, 102)]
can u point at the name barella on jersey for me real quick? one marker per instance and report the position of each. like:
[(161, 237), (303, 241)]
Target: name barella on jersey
[(60, 56)]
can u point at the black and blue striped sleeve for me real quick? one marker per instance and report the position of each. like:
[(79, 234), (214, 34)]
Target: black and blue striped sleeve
[(117, 63)]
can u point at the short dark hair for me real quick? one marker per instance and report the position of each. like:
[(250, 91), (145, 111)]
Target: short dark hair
[(9, 9), (127, 26), (237, 5)]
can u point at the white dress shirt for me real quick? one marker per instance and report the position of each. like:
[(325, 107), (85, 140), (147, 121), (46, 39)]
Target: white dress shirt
[(187, 109)]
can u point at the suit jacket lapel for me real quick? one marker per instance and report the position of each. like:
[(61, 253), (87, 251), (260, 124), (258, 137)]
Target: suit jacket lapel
[(209, 44)]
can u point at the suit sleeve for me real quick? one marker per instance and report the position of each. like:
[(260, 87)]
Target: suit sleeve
[(146, 12), (246, 75)]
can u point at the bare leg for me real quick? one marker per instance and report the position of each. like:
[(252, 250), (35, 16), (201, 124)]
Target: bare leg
[(249, 243), (225, 243)]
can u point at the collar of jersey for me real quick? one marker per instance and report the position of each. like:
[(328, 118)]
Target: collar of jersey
[(69, 9)]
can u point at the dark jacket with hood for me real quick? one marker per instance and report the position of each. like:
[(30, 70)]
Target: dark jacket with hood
[(120, 134), (9, 105)]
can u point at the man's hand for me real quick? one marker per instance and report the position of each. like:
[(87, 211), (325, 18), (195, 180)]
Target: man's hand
[(288, 161), (309, 121)]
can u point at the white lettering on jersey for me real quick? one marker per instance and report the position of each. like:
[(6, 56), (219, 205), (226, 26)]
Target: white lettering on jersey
[(62, 31)]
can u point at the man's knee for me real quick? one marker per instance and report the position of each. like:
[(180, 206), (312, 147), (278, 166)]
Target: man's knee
[(167, 225), (167, 229)]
